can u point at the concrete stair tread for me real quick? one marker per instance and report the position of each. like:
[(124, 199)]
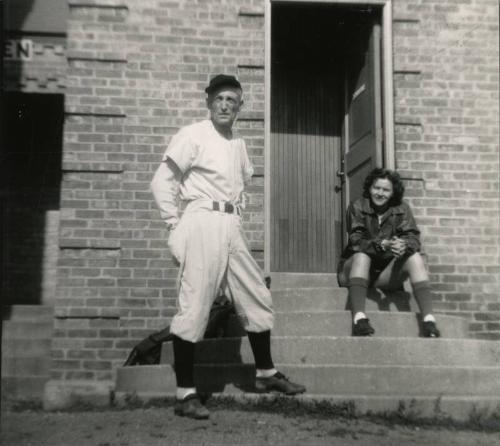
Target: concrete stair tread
[(368, 313), (339, 323), (21, 386), (312, 366), (325, 366), (326, 379), (369, 339), (25, 366), (302, 299), (309, 290), (386, 366), (290, 280), (349, 350)]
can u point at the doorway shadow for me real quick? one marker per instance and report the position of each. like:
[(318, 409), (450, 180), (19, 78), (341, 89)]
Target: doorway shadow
[(30, 195), (31, 138)]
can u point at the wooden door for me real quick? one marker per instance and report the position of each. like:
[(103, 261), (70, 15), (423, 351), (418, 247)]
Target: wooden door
[(305, 152), (363, 122)]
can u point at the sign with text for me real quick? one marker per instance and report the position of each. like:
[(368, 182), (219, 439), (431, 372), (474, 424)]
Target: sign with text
[(18, 49)]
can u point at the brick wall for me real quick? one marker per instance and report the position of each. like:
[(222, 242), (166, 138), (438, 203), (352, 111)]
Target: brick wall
[(136, 74), (446, 111)]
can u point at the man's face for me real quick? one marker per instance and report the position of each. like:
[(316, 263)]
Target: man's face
[(224, 105)]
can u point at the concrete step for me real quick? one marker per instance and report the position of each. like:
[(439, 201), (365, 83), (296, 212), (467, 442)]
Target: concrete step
[(324, 298), (312, 344), (26, 329), (302, 280), (396, 380), (324, 350), (14, 366), (25, 348), (30, 312), (26, 339), (23, 387), (338, 323), (331, 299), (334, 380)]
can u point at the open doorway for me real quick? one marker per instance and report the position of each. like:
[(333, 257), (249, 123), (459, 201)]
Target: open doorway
[(30, 194), (325, 126)]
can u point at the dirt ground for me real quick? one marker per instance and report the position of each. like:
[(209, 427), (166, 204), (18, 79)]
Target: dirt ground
[(157, 426)]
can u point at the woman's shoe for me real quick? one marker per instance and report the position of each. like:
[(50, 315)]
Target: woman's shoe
[(430, 330), (362, 328)]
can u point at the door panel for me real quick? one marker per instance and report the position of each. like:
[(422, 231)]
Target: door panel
[(363, 143), (305, 143)]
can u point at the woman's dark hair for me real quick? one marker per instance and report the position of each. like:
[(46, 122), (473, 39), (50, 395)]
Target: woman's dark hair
[(391, 175)]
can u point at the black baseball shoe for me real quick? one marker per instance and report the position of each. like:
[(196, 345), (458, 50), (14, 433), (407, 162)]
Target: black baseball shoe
[(279, 383), (430, 330), (362, 328), (191, 407)]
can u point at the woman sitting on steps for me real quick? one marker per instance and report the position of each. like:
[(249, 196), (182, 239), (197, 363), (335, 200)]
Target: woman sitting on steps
[(383, 250)]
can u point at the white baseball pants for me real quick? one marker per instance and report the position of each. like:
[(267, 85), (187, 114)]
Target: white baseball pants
[(212, 251)]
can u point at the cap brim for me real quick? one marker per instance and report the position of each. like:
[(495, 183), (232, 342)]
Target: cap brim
[(218, 85)]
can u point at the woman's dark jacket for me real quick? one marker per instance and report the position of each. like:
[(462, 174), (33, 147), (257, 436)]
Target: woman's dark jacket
[(365, 233)]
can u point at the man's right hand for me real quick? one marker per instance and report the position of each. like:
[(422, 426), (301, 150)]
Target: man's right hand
[(171, 226)]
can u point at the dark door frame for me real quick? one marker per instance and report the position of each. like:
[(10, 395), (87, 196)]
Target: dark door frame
[(387, 99)]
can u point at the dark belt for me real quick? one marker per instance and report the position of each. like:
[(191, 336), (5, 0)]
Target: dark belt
[(228, 207)]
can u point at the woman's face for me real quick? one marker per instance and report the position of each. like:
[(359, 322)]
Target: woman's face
[(381, 191)]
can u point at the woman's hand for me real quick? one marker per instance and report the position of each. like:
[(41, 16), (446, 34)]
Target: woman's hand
[(397, 246), (385, 244)]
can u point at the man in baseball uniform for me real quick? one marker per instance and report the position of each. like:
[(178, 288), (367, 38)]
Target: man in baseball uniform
[(206, 167)]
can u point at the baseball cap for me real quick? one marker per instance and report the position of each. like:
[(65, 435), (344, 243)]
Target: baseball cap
[(222, 80)]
